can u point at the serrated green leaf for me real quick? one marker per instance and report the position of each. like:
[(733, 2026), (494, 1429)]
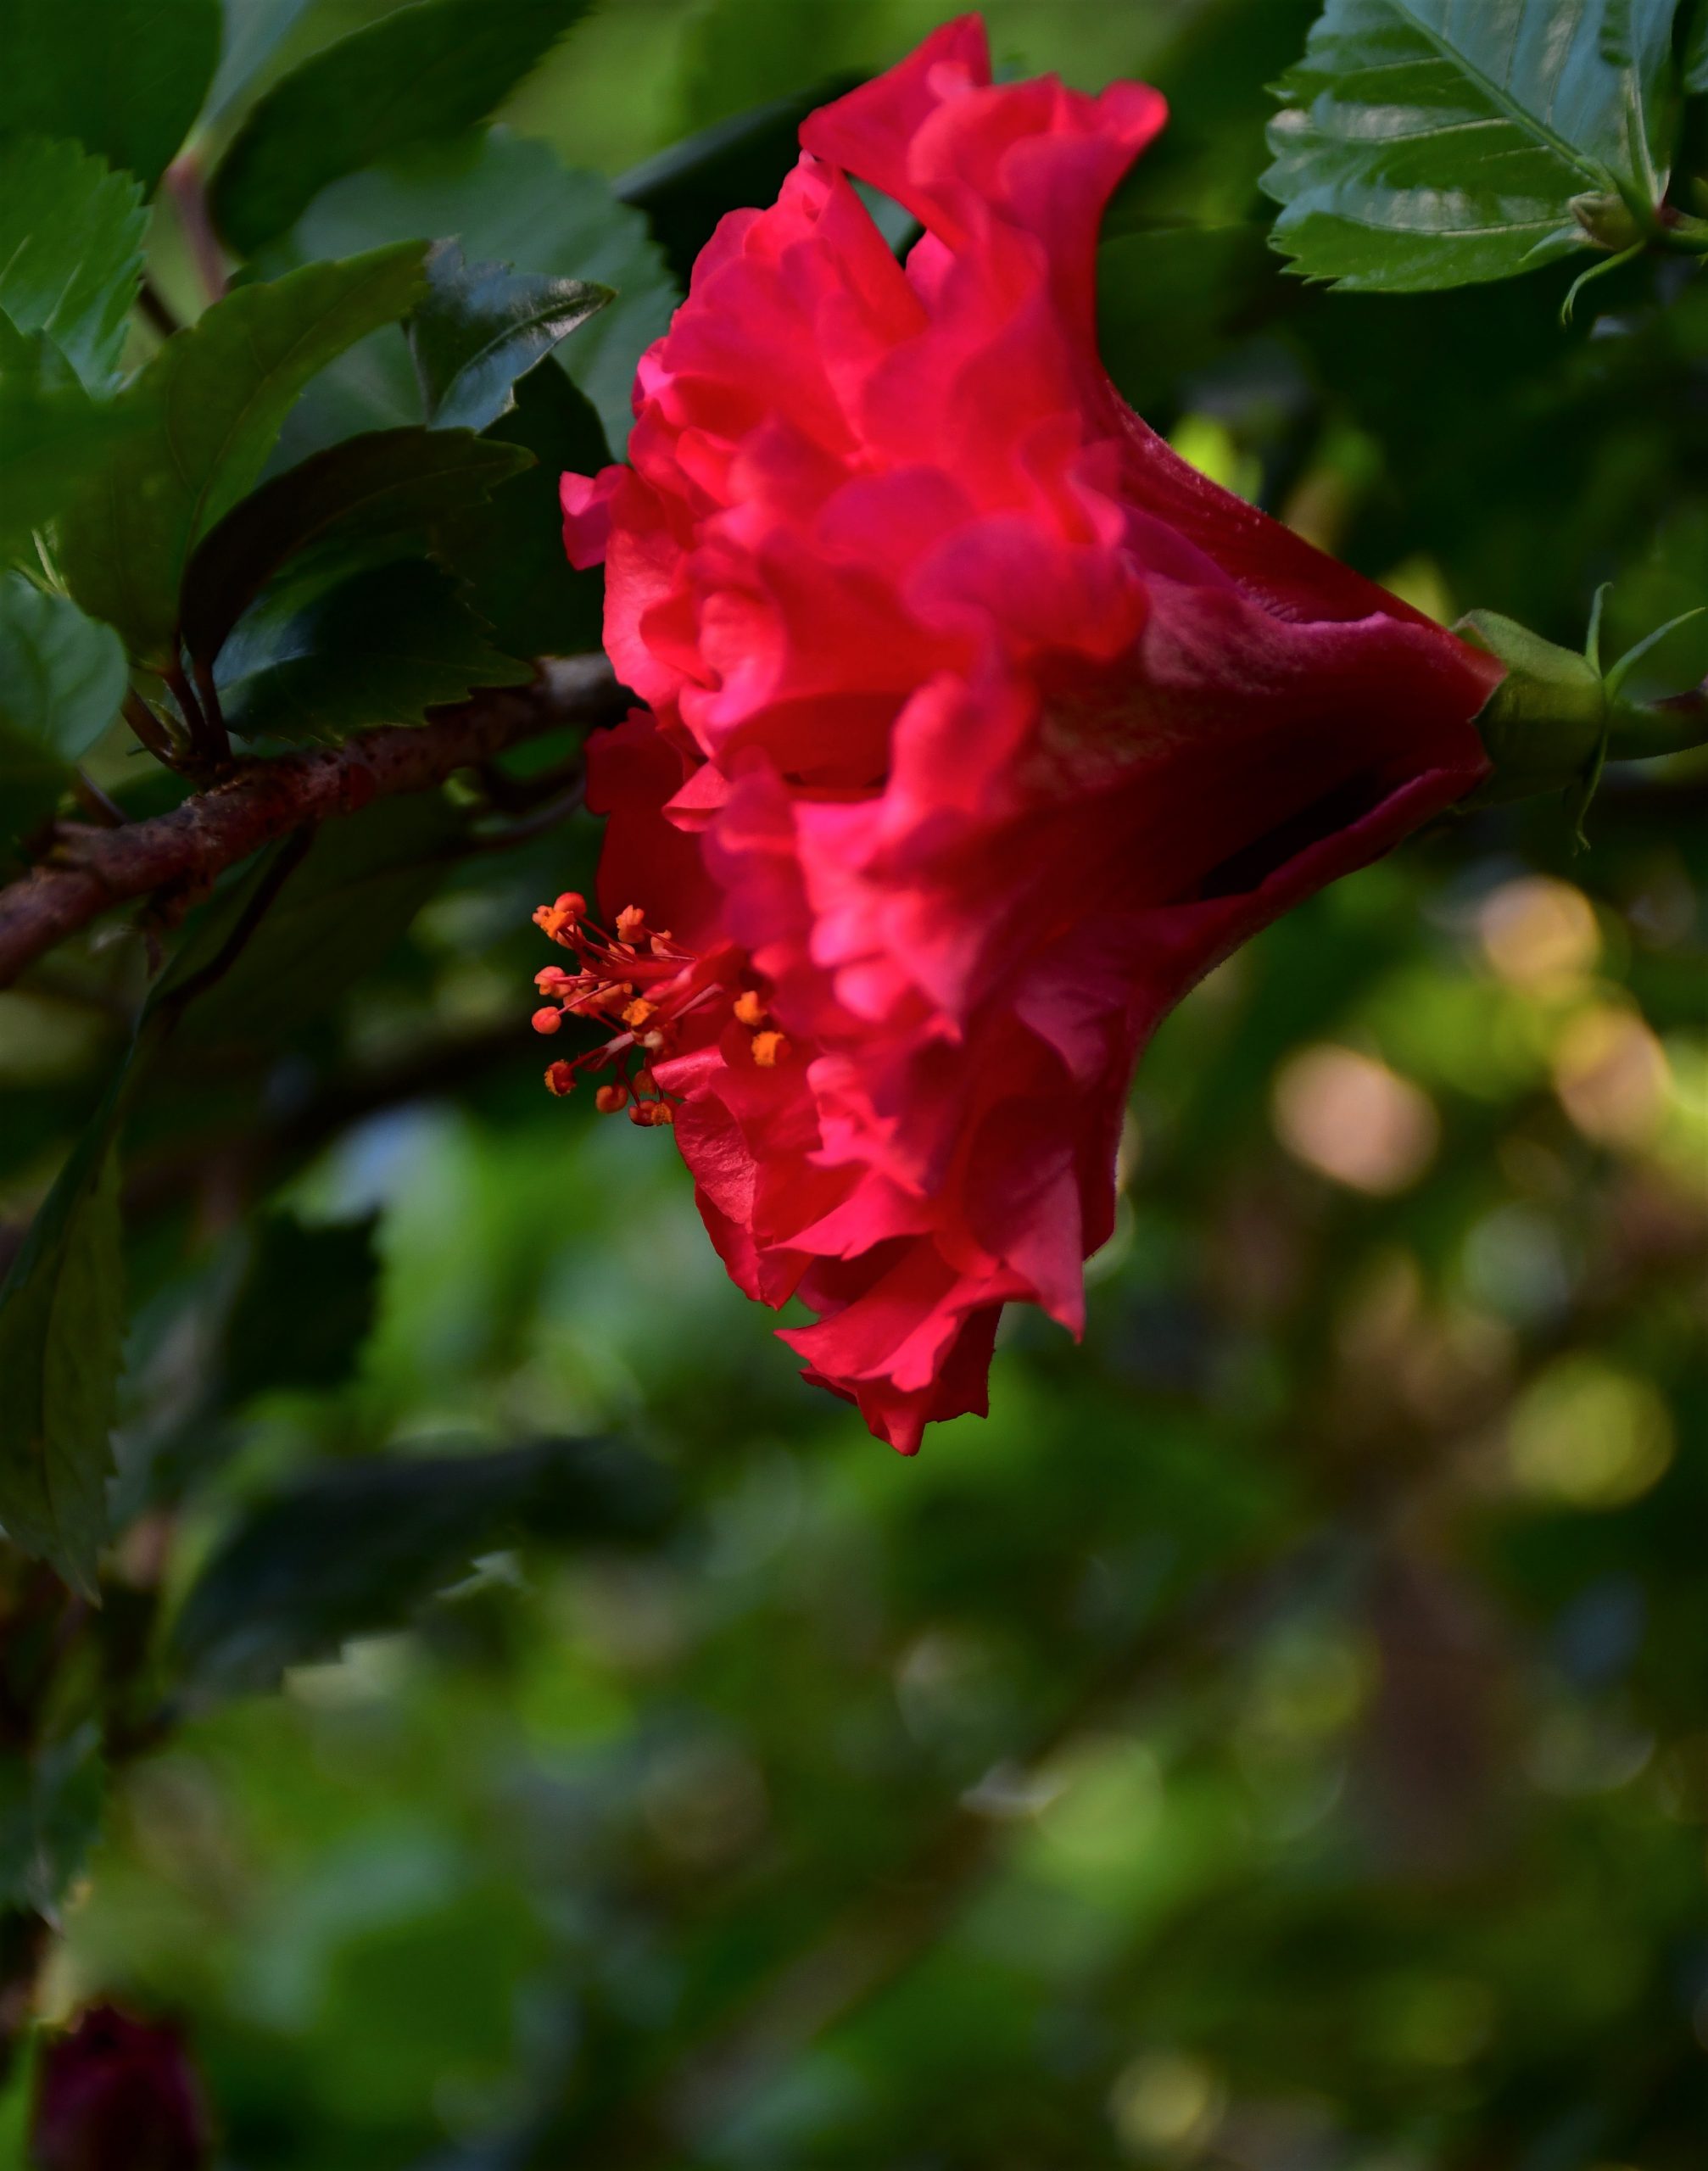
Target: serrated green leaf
[(54, 440), (70, 250), (214, 398), (125, 77), (383, 647), (61, 1317), (62, 678), (357, 1548), (385, 483), (305, 1308), (509, 550), (424, 72), (1428, 143), (51, 1800), (508, 201), (482, 326)]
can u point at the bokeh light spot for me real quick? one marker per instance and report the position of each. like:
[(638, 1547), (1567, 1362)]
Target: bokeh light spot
[(1353, 1121), (1589, 1435)]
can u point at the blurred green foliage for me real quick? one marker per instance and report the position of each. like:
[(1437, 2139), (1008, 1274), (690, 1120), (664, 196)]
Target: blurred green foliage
[(1277, 1738)]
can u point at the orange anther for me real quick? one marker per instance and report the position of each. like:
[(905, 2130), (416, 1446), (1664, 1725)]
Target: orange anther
[(652, 1041), (629, 923), (554, 980), (546, 1019), (748, 1008), (639, 1011), (769, 1049), (560, 1079), (660, 941), (610, 1098)]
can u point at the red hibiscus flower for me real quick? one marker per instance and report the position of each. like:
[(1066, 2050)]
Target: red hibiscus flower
[(979, 726)]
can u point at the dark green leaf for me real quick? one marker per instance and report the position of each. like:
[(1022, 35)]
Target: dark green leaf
[(358, 1548), (305, 1307), (214, 398), (381, 648), (1216, 72), (424, 72), (1428, 143), (1696, 53), (508, 201), (61, 1317), (509, 550), (54, 440), (385, 482), (51, 1800), (62, 678), (342, 913), (483, 326), (70, 250), (125, 77), (687, 189)]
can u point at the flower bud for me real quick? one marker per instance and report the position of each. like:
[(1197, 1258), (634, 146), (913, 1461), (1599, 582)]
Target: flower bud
[(119, 2095)]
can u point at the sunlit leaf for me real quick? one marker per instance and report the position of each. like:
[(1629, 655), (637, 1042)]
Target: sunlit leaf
[(422, 73), (1428, 143)]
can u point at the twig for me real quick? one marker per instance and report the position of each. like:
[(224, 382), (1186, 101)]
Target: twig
[(261, 800)]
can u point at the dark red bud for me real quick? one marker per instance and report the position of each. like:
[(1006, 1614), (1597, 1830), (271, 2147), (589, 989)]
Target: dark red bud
[(118, 2095)]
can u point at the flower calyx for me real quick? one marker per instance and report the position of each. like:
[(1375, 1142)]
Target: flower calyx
[(1557, 717)]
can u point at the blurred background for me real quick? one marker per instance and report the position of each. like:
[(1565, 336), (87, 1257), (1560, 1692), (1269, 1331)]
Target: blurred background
[(1276, 1740)]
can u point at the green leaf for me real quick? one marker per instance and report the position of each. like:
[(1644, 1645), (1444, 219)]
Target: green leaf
[(62, 1318), (54, 440), (355, 1548), (509, 550), (51, 1800), (125, 77), (62, 678), (70, 250), (686, 189), (381, 648), (482, 326), (305, 1308), (424, 72), (213, 397), (1696, 53), (1428, 143), (387, 482), (344, 909), (254, 30), (508, 201)]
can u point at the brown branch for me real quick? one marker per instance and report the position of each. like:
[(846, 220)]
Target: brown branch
[(185, 850)]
